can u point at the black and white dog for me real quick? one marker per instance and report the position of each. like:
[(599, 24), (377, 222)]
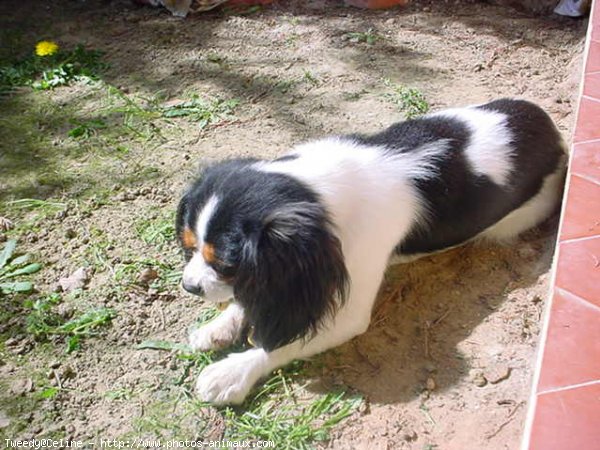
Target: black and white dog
[(301, 243)]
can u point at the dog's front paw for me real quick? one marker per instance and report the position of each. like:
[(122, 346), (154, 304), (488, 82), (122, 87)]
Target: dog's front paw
[(212, 337), (221, 332), (229, 380)]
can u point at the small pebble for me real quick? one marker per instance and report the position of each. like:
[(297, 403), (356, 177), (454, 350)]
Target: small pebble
[(477, 378), (70, 233), (430, 384), (148, 275), (497, 373)]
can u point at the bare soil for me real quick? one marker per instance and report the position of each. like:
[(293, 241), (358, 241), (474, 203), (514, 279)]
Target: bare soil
[(448, 360)]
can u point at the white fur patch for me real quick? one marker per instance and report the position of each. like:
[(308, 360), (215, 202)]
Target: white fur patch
[(489, 151), (197, 272), (368, 189)]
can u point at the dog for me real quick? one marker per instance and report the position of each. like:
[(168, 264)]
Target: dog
[(301, 243)]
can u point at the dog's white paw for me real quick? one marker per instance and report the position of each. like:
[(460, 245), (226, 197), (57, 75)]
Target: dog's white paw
[(221, 332), (229, 380), (213, 336)]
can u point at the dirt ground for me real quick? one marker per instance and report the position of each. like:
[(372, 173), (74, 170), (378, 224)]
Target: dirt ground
[(448, 360)]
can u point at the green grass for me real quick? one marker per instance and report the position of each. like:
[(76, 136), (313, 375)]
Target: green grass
[(204, 111), (14, 268), (127, 273), (369, 37), (279, 409), (410, 101), (311, 78), (157, 231), (44, 321), (49, 72)]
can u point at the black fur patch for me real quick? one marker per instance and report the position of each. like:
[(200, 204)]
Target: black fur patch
[(462, 203)]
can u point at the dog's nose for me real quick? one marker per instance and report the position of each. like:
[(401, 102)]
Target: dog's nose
[(193, 288)]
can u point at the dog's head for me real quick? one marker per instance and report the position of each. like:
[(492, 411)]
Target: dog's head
[(265, 240)]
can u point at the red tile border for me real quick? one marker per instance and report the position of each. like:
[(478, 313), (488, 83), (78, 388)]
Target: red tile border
[(573, 337), (591, 87), (586, 161), (564, 412), (593, 58), (587, 127), (578, 269), (581, 215), (567, 419)]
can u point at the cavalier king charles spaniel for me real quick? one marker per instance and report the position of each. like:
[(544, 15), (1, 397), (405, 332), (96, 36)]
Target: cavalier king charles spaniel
[(301, 243)]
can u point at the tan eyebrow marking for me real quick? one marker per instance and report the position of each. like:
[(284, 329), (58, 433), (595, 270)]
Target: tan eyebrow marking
[(208, 253), (188, 238)]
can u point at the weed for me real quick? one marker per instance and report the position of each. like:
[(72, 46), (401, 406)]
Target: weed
[(127, 273), (34, 203), (12, 267), (284, 86), (48, 392), (119, 394), (294, 21), (43, 321), (369, 37), (48, 72), (204, 111), (309, 77), (410, 101), (157, 231), (215, 58), (275, 414), (86, 129), (96, 252), (291, 40), (353, 96)]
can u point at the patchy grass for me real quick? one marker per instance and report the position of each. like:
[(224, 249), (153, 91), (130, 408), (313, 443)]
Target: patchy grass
[(204, 111), (44, 321), (311, 78), (280, 409), (48, 72), (410, 101), (368, 37), (66, 151), (158, 229)]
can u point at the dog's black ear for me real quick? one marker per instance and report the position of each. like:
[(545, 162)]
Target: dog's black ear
[(181, 218), (292, 274), (182, 211)]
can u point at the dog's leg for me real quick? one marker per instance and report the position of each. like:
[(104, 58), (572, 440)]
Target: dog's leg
[(231, 379), (221, 332)]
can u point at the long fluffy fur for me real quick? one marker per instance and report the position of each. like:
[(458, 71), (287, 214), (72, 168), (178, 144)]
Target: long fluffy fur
[(302, 242)]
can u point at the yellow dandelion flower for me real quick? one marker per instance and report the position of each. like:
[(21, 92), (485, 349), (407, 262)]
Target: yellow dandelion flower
[(46, 48)]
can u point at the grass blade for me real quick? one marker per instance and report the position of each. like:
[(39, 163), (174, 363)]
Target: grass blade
[(8, 251), (19, 286), (163, 345), (27, 270)]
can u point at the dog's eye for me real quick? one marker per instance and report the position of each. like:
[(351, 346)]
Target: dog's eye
[(224, 273)]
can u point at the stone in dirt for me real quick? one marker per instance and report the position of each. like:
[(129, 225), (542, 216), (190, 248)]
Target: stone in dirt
[(4, 420), (148, 275), (76, 281), (477, 378), (5, 224), (497, 373), (21, 386)]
